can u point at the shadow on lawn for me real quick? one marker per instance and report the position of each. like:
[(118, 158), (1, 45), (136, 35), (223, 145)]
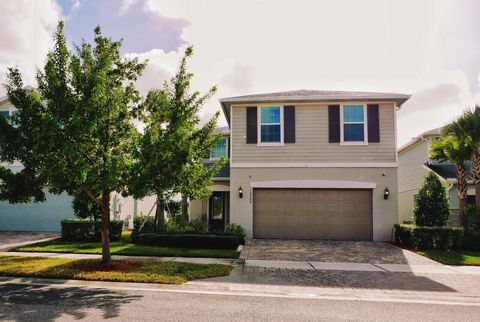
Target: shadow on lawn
[(45, 303)]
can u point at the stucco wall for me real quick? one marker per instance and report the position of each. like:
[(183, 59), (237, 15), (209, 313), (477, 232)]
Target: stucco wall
[(200, 207), (385, 212), (42, 216)]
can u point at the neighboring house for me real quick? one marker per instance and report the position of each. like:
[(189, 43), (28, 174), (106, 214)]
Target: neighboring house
[(42, 216), (413, 165), (308, 165)]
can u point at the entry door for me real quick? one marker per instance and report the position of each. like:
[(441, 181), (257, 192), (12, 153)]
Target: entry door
[(217, 210)]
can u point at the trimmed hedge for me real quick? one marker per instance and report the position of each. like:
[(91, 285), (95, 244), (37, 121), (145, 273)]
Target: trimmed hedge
[(89, 230), (429, 237), (188, 240), (143, 224)]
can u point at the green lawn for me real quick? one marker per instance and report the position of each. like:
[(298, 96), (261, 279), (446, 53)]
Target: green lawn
[(142, 271), (461, 257), (125, 247)]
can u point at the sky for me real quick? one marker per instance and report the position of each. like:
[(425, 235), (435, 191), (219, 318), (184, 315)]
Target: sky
[(429, 49)]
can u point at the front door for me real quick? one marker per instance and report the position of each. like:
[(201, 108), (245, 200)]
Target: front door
[(217, 211)]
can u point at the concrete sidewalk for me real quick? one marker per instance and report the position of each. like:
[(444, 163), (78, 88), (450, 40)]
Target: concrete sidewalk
[(283, 265), (193, 260)]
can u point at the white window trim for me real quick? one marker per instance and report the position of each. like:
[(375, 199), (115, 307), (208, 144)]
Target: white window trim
[(226, 150), (259, 126), (365, 125)]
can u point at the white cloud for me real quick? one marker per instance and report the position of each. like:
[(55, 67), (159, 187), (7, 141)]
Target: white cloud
[(376, 45), (27, 28), (160, 68)]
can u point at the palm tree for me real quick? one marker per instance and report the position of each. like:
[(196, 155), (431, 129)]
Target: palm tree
[(451, 148), (467, 129)]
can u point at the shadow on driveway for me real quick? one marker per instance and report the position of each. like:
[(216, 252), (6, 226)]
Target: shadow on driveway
[(264, 277)]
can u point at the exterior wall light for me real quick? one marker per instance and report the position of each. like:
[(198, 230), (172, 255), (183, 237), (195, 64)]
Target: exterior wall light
[(240, 192), (386, 193)]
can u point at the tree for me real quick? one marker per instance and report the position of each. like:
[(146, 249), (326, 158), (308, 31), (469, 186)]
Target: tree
[(173, 145), (76, 131), (467, 128), (84, 207), (431, 203), (450, 148)]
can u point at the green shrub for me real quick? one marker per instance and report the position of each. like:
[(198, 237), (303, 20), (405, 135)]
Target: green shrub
[(236, 229), (196, 226), (188, 240), (423, 237), (403, 234), (178, 225), (429, 237), (431, 203), (143, 224), (89, 230)]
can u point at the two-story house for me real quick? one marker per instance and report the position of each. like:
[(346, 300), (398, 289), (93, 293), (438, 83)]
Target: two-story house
[(414, 163), (309, 165)]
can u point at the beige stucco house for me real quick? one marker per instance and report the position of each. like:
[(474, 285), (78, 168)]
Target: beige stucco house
[(413, 165), (309, 165)]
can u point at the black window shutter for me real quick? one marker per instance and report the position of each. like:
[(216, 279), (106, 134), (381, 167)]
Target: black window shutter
[(252, 124), (289, 124), (373, 120), (333, 123)]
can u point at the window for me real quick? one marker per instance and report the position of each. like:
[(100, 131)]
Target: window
[(354, 123), (270, 124), (4, 113), (219, 149)]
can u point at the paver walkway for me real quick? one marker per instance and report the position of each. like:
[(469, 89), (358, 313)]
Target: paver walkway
[(331, 251)]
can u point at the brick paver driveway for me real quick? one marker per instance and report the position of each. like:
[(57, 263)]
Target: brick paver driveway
[(331, 251), (11, 239)]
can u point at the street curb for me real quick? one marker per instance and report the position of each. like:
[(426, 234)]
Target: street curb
[(228, 289)]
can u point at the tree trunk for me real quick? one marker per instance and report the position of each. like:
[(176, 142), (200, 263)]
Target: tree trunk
[(160, 213), (475, 169), (185, 207), (462, 194), (105, 232)]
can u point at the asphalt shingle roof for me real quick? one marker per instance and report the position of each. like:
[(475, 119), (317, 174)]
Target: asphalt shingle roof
[(312, 95)]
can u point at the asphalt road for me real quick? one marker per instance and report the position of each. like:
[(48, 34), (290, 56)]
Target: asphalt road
[(45, 303)]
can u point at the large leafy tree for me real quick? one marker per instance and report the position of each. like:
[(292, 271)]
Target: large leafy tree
[(76, 131), (467, 128), (169, 157), (453, 149)]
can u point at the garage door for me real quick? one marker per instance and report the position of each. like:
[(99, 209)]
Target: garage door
[(312, 214)]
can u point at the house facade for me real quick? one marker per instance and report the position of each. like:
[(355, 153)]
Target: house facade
[(414, 164), (42, 216), (309, 165)]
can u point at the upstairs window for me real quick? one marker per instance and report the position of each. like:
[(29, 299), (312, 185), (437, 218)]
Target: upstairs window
[(219, 149), (270, 124), (354, 123)]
